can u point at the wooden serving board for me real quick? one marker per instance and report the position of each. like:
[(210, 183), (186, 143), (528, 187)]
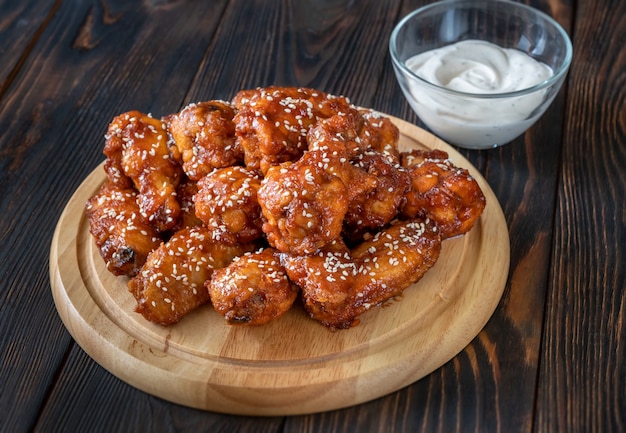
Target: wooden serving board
[(293, 365)]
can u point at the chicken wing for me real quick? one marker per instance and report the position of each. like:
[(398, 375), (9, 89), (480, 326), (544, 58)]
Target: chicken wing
[(339, 285), (227, 204), (123, 239), (393, 259), (441, 191), (137, 148), (253, 289), (379, 133), (272, 123), (303, 204), (171, 282), (378, 206), (326, 280), (338, 135), (204, 134)]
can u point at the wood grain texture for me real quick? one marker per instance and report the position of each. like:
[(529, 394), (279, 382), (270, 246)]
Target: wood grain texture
[(293, 365), (51, 120), (582, 385), (21, 24), (298, 43), (491, 385), (84, 390), (537, 366)]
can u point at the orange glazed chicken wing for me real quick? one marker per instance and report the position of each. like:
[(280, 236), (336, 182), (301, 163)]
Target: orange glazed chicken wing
[(326, 280), (272, 123), (338, 135), (339, 285), (394, 259), (137, 148), (303, 204), (379, 133), (204, 134), (447, 194), (123, 239), (253, 290), (171, 283), (376, 207), (227, 204)]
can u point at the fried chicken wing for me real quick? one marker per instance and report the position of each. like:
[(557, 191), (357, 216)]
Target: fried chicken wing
[(204, 134), (338, 286), (441, 191), (378, 206), (227, 204), (272, 123), (395, 258), (303, 204), (326, 280), (137, 148), (253, 289), (375, 180), (123, 239), (338, 135), (379, 133), (171, 282)]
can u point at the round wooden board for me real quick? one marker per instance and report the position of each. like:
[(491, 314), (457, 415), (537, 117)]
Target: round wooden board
[(293, 365)]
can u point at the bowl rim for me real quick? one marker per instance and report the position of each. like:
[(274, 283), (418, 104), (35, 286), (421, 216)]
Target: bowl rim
[(554, 78)]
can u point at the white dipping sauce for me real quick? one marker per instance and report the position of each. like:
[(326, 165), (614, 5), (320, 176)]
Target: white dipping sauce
[(478, 67)]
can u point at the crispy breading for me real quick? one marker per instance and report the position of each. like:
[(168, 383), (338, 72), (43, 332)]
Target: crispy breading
[(253, 289), (123, 239), (227, 204), (441, 191), (204, 134), (171, 282), (137, 148)]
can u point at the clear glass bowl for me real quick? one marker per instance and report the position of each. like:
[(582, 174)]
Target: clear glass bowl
[(479, 120)]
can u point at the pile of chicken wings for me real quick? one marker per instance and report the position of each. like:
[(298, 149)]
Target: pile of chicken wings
[(279, 194)]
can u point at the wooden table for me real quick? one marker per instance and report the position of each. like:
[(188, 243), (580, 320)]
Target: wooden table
[(552, 357)]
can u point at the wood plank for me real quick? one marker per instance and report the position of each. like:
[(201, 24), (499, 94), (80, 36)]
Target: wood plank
[(21, 24), (491, 385), (92, 60), (299, 43), (423, 405), (85, 392), (582, 382)]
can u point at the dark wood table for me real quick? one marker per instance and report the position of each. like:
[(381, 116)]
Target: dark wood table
[(551, 359)]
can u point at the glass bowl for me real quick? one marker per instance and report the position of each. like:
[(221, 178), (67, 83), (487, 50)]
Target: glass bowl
[(472, 119)]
